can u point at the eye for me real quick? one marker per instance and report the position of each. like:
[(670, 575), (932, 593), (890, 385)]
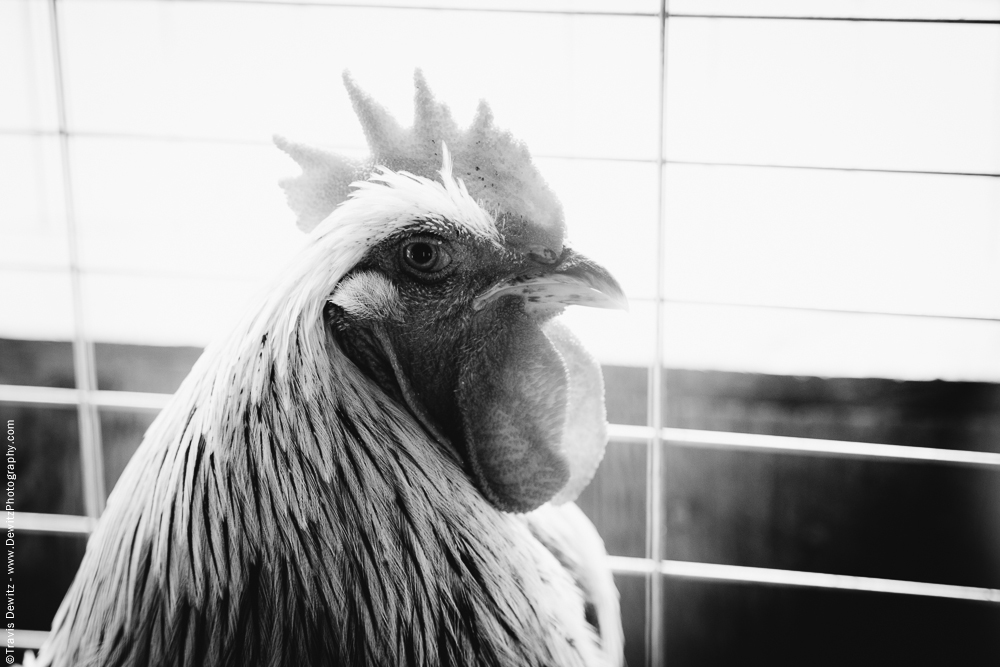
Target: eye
[(425, 256)]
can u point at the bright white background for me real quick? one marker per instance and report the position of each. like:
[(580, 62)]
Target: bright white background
[(792, 202)]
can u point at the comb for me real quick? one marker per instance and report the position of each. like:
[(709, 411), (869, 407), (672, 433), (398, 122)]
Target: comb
[(496, 168)]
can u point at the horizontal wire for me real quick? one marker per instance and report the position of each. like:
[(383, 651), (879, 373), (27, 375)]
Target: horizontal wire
[(29, 639), (808, 167), (471, 8), (821, 309), (27, 132), (233, 141), (858, 19), (64, 524), (104, 398), (180, 138), (135, 400), (783, 444), (160, 137), (763, 575), (162, 274), (236, 141)]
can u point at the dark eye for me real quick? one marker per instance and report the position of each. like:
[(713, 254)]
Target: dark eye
[(425, 256)]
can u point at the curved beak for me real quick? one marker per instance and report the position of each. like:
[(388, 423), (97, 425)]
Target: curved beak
[(575, 281)]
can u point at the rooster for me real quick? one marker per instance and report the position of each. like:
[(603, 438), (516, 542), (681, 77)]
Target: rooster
[(376, 467)]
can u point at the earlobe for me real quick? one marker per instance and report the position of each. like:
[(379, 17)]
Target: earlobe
[(369, 296)]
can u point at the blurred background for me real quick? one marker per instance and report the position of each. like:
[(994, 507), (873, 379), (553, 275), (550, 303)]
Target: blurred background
[(802, 200)]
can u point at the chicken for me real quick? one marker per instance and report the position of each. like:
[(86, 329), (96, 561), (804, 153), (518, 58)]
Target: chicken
[(376, 467)]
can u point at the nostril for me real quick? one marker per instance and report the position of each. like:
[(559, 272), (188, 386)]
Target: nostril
[(543, 255)]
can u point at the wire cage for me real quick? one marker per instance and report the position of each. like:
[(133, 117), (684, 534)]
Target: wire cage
[(802, 201)]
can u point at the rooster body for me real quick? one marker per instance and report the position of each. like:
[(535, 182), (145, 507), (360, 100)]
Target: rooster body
[(333, 484)]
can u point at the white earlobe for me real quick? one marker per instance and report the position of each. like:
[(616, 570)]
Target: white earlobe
[(368, 296)]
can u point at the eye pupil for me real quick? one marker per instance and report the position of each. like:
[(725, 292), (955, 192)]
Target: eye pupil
[(424, 259), (421, 254)]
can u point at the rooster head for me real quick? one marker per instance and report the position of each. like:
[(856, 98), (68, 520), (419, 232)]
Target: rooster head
[(451, 265)]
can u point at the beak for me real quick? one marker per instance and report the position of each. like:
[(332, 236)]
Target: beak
[(575, 281)]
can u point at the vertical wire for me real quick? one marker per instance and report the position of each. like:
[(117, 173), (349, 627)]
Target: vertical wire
[(655, 491), (84, 367)]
